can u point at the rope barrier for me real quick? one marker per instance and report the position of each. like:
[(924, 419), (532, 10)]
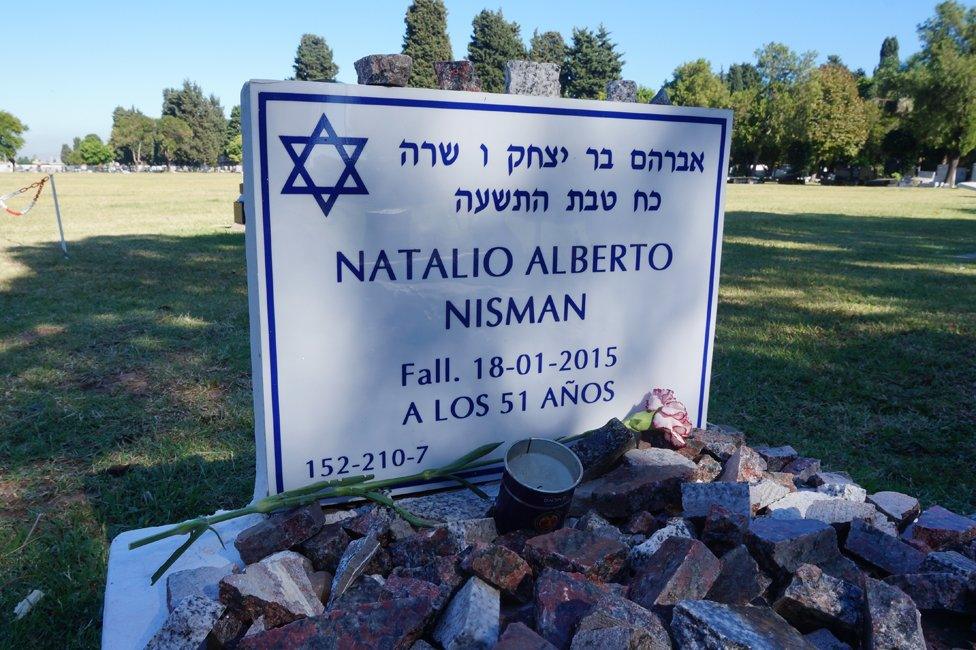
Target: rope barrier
[(20, 213)]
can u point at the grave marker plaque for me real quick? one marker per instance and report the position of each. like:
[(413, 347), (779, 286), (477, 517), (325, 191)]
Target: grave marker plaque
[(429, 271)]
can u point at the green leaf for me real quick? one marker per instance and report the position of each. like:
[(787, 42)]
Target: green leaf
[(194, 536)]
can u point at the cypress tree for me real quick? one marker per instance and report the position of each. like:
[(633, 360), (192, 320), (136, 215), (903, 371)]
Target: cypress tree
[(547, 47), (494, 41), (313, 60), (426, 40), (591, 62)]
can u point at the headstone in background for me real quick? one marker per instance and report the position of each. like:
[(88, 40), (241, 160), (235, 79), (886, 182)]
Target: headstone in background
[(532, 78), (622, 90), (456, 75), (384, 69), (941, 174), (428, 275)]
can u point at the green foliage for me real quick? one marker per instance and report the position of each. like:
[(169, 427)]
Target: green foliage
[(547, 47), (24, 160), (645, 94), (952, 24), (313, 60), (742, 76), (426, 40), (694, 84), (234, 143), (204, 116), (11, 132), (92, 151), (592, 61), (173, 136), (889, 52), (494, 41), (235, 149), (836, 122), (132, 135), (778, 64)]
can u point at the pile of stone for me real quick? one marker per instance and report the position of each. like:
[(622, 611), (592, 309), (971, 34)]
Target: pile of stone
[(715, 545)]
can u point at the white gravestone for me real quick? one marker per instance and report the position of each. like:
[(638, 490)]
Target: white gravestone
[(430, 271)]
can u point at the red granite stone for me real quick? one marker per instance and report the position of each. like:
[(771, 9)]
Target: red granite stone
[(595, 556), (500, 567), (681, 569), (561, 600)]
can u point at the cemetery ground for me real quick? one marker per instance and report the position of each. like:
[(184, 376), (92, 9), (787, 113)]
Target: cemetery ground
[(846, 328)]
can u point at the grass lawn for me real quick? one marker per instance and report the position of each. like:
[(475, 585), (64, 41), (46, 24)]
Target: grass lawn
[(847, 328)]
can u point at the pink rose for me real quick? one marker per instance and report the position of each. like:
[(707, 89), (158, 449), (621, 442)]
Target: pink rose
[(670, 415)]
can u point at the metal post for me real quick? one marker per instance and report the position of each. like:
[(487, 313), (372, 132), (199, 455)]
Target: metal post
[(57, 211)]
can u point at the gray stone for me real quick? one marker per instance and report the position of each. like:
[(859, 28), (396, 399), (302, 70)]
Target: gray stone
[(885, 552), (745, 465), (795, 505), (776, 457), (945, 592), (188, 624), (561, 601), (626, 491), (719, 441), (600, 449), (471, 618), (705, 625), (950, 562), (471, 531), (384, 69), (642, 553), (326, 547), (724, 530), (277, 588), (698, 498), (592, 522), (622, 90), (456, 75), (814, 599), (657, 457), (836, 510), (850, 491), (623, 637), (519, 636), (532, 78), (450, 505), (420, 644), (891, 618), (939, 528), (826, 478), (765, 493), (661, 98), (740, 581), (899, 508), (614, 610), (352, 565), (781, 546), (824, 640), (201, 581)]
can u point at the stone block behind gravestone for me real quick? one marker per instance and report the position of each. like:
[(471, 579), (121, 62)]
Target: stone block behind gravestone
[(532, 78)]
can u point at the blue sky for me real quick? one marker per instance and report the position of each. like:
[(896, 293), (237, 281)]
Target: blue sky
[(66, 65)]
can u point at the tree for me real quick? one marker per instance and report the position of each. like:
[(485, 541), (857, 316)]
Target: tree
[(889, 52), (313, 60), (67, 155), (694, 84), (944, 115), (741, 76), (204, 116), (426, 40), (592, 61), (92, 151), (494, 41), (952, 24), (547, 47), (132, 135), (172, 135), (11, 135), (233, 144), (836, 120), (235, 149)]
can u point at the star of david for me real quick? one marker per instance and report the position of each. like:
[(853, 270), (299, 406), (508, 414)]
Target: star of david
[(349, 181)]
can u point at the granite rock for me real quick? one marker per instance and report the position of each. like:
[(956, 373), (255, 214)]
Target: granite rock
[(578, 551), (740, 580), (781, 546), (471, 618), (891, 618), (707, 469), (657, 457), (450, 505), (698, 498), (532, 78), (776, 457), (718, 441), (592, 522), (724, 530), (365, 589), (444, 571), (519, 636), (705, 625), (627, 490), (795, 504), (353, 563), (277, 588), (398, 587), (661, 98), (279, 532), (188, 624), (499, 567), (938, 528), (467, 532), (623, 637), (201, 581), (423, 547), (950, 562), (946, 592), (456, 75), (881, 550), (561, 601), (326, 547), (641, 554), (802, 468), (384, 69), (899, 508), (744, 466), (622, 90), (823, 640), (766, 492), (681, 569), (599, 450), (814, 599), (614, 610)]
